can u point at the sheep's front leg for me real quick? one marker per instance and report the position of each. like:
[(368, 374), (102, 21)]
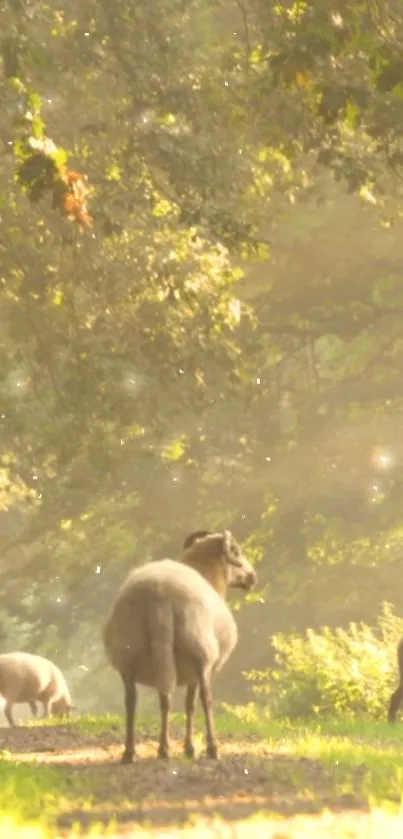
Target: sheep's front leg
[(34, 708), (130, 706), (207, 704), (190, 706), (165, 707)]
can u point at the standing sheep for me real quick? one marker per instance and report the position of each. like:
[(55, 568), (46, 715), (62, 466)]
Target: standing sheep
[(170, 626), (32, 678)]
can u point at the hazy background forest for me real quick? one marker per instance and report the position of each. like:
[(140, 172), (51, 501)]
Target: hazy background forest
[(221, 345)]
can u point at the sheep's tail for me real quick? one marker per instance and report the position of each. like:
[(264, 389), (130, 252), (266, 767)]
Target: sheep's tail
[(161, 630)]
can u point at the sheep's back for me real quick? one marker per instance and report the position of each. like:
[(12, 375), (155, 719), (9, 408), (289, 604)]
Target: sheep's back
[(168, 575), (24, 677)]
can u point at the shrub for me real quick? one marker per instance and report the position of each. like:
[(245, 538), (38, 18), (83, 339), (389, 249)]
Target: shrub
[(341, 672)]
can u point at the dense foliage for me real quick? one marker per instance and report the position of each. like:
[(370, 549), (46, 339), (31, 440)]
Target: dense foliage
[(199, 326), (333, 673)]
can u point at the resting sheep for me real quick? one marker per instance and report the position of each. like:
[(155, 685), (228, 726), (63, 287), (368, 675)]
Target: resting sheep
[(31, 678), (170, 626)]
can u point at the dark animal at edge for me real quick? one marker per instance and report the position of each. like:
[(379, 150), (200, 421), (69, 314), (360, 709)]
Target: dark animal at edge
[(397, 696)]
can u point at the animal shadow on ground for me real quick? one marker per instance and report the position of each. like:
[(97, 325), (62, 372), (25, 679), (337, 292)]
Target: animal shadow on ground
[(249, 777)]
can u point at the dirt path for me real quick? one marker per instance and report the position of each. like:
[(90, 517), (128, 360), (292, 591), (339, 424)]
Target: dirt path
[(247, 779)]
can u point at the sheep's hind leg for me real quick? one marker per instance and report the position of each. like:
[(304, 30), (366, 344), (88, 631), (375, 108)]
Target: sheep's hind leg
[(190, 706), (395, 701), (207, 704), (8, 714), (130, 706), (165, 706), (34, 709)]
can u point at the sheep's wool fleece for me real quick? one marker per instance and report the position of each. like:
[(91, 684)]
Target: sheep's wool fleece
[(25, 677), (166, 623)]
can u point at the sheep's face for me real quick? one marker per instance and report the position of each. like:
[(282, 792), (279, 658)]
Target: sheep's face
[(219, 559), (240, 572), (61, 708)]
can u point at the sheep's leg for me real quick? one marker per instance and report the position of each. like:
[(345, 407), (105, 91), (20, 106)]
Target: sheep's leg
[(165, 706), (130, 705), (8, 714), (207, 704), (190, 706), (45, 706), (34, 708), (395, 701)]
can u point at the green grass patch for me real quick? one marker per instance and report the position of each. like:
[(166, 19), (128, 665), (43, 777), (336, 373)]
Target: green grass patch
[(93, 724), (30, 793), (86, 723), (33, 796), (363, 757)]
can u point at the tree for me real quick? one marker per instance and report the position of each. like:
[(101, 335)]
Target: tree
[(157, 377)]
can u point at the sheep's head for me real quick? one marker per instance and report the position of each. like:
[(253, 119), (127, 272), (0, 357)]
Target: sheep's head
[(219, 557), (240, 572), (61, 707)]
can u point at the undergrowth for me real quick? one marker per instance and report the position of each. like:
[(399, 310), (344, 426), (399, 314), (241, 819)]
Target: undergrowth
[(332, 672)]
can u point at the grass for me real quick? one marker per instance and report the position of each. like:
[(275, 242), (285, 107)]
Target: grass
[(327, 766), (88, 723), (371, 750), (30, 798)]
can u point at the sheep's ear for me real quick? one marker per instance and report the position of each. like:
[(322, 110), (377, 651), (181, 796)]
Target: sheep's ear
[(193, 537), (228, 550), (227, 542)]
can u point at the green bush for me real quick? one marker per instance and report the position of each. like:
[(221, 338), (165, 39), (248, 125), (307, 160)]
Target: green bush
[(341, 672)]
